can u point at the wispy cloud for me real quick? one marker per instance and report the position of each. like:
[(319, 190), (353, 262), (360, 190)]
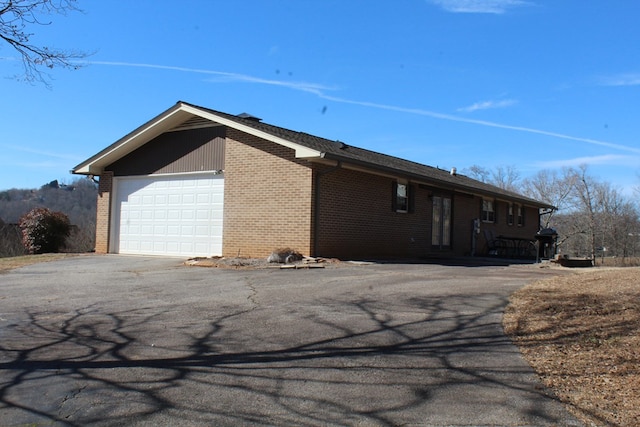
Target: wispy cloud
[(628, 79), (487, 105), (479, 6), (607, 159), (320, 91)]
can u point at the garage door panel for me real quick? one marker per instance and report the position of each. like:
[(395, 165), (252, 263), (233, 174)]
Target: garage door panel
[(174, 199), (169, 215)]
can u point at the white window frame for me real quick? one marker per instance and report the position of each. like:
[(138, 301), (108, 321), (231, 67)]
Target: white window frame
[(520, 216), (488, 211), (402, 197), (510, 216)]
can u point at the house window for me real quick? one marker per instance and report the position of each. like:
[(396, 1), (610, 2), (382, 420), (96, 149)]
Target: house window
[(488, 212), (520, 215), (510, 214), (401, 198)]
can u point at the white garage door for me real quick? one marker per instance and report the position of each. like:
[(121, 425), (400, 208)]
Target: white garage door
[(169, 215)]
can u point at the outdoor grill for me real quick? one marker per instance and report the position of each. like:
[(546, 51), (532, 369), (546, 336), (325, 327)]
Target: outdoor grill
[(547, 238)]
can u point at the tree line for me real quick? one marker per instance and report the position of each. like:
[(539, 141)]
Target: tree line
[(76, 200), (593, 219)]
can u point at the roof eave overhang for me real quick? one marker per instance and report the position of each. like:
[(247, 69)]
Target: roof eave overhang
[(165, 122), (300, 150), (460, 188)]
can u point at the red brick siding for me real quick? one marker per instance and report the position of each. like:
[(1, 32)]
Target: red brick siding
[(103, 212), (267, 198), (501, 226), (465, 210), (356, 219), (269, 201)]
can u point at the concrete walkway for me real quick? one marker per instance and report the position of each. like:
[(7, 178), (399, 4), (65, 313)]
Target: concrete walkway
[(115, 340)]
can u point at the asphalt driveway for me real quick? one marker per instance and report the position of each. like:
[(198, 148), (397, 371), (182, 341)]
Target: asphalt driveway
[(113, 340)]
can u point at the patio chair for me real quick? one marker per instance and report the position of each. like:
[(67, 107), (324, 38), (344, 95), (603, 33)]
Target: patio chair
[(495, 246)]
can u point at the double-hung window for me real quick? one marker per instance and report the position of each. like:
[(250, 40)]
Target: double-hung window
[(402, 198), (520, 215), (510, 214), (488, 211)]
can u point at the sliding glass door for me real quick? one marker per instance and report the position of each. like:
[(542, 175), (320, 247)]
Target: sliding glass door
[(441, 225)]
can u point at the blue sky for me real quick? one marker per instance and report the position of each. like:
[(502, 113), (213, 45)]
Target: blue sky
[(534, 84)]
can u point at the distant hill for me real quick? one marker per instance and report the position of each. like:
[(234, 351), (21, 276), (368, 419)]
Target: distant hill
[(77, 200)]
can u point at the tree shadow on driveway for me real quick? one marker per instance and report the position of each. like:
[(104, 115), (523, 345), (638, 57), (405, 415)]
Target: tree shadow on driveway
[(370, 361)]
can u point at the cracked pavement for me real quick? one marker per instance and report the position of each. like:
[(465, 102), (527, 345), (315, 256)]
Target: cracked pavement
[(115, 340)]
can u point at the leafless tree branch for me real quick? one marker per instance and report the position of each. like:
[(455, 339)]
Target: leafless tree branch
[(16, 17)]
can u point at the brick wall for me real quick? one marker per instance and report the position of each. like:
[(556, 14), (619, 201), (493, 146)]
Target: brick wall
[(465, 210), (501, 227), (267, 198), (103, 211), (269, 203), (356, 219)]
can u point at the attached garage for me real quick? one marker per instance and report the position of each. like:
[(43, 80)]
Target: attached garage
[(167, 187), (177, 215)]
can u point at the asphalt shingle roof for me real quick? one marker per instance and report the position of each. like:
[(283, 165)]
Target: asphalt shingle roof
[(341, 151)]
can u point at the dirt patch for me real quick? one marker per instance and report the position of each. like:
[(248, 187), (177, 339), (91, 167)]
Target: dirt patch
[(21, 261), (580, 334), (254, 263)]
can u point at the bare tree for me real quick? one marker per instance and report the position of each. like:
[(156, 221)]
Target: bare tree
[(478, 173), (16, 19), (505, 177), (551, 187), (618, 223), (588, 194), (76, 199)]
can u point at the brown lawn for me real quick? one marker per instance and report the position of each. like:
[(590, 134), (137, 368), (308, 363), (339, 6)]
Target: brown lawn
[(580, 332), (20, 261)]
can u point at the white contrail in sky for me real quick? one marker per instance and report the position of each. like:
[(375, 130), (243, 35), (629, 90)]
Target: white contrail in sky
[(302, 86), (40, 152), (478, 6), (611, 159), (481, 123), (320, 91)]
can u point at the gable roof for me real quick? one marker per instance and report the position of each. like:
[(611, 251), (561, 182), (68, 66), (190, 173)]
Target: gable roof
[(306, 146)]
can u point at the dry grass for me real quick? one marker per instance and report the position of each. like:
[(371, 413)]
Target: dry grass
[(618, 262), (20, 261), (581, 334)]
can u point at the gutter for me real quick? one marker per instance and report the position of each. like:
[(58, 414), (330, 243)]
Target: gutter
[(451, 186)]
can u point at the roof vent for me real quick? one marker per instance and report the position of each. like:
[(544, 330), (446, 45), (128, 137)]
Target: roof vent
[(341, 145), (453, 171), (248, 116)]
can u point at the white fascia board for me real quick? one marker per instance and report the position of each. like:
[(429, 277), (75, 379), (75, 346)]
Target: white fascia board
[(133, 141), (86, 170), (301, 151), (172, 118)]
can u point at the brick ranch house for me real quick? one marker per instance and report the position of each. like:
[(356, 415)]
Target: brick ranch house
[(198, 182)]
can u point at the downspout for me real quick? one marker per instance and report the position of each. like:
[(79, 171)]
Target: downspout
[(316, 203)]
